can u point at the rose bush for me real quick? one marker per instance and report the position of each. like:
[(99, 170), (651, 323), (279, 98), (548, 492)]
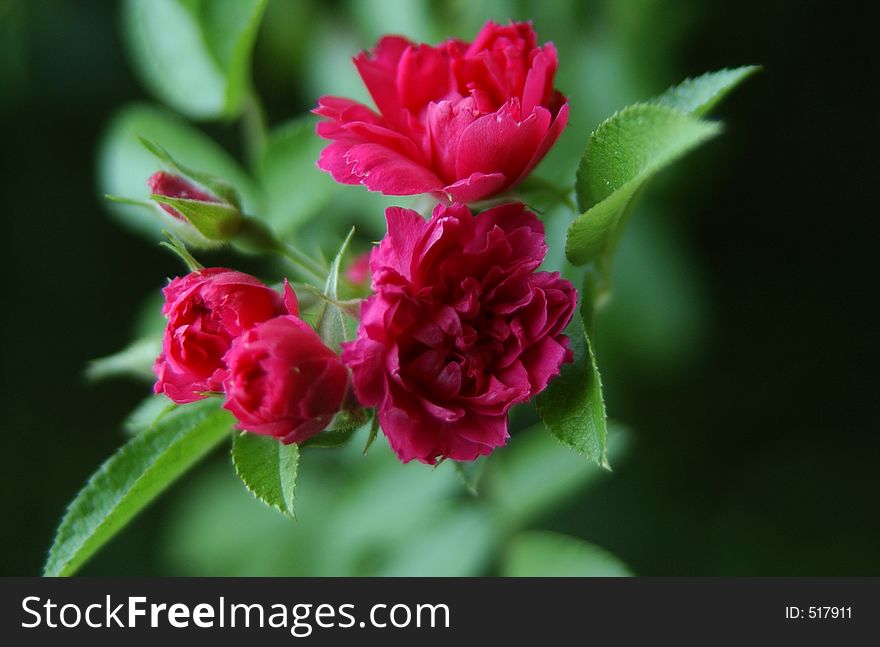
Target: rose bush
[(461, 328), (283, 380), (460, 121), (206, 310)]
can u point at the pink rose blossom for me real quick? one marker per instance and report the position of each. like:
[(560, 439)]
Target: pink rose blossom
[(460, 121), (283, 380), (461, 328), (206, 310)]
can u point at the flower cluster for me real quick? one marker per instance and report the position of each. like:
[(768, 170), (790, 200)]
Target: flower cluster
[(229, 333), (460, 324)]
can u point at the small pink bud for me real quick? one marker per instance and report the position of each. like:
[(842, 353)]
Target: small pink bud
[(174, 186), (215, 218), (283, 380)]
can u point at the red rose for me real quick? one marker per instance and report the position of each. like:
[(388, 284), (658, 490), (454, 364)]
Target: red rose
[(460, 121), (206, 310), (283, 380), (460, 329)]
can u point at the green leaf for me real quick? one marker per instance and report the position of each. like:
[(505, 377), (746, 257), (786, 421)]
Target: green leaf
[(194, 56), (130, 479), (572, 407), (268, 469), (295, 189), (549, 554), (135, 360), (699, 95), (623, 153), (331, 319), (125, 164), (630, 147)]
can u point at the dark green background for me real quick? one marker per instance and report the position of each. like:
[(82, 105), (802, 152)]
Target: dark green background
[(754, 452)]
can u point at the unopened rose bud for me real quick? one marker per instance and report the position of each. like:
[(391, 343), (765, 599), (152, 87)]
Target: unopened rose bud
[(214, 218), (283, 380)]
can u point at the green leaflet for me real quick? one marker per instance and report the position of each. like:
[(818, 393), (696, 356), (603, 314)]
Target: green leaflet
[(268, 469), (195, 57), (130, 479), (622, 154), (572, 407), (548, 554), (699, 95), (627, 149)]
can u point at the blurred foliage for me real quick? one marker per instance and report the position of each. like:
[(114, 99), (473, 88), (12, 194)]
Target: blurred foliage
[(370, 515), (728, 469)]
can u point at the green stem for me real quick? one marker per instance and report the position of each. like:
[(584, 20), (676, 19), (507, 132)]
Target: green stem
[(254, 129), (304, 263), (256, 237)]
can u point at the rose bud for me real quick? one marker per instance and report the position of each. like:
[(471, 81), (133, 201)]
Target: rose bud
[(214, 218), (284, 381), (460, 121), (460, 329), (206, 310)]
